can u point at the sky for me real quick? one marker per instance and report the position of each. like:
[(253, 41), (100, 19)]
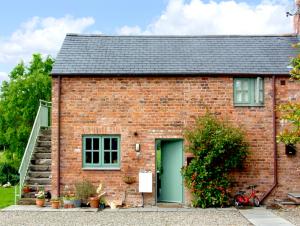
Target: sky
[(35, 26)]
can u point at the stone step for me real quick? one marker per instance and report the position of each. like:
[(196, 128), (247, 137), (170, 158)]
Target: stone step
[(39, 181), (44, 137), (42, 155), (40, 143), (284, 203), (26, 201), (295, 197), (45, 131), (30, 201), (36, 187), (40, 167), (29, 194), (39, 174), (42, 150), (41, 161)]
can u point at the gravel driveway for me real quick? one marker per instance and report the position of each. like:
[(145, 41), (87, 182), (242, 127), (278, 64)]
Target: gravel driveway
[(197, 217), (292, 215)]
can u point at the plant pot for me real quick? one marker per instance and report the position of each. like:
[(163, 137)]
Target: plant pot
[(94, 202), (129, 179), (77, 203), (26, 189), (102, 206), (55, 204), (68, 203), (40, 202)]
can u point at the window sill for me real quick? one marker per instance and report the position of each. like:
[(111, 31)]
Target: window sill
[(104, 169), (248, 105)]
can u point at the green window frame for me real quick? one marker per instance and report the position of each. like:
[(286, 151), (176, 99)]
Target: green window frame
[(101, 151), (248, 91)]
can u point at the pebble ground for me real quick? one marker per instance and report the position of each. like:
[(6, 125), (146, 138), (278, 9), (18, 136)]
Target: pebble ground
[(292, 215), (197, 217)]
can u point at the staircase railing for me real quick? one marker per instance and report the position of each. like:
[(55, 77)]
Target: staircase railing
[(42, 119)]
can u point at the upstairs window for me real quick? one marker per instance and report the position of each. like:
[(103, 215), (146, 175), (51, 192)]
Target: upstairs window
[(101, 151), (248, 91)]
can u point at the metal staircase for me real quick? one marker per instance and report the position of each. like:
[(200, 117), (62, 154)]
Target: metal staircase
[(35, 168)]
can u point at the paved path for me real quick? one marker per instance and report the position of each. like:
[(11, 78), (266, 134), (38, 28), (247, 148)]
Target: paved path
[(263, 217)]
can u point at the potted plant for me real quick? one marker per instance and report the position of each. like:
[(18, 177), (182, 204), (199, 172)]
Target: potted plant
[(68, 198), (55, 202), (77, 202), (26, 189), (40, 198), (84, 190), (129, 179), (94, 200), (102, 203)]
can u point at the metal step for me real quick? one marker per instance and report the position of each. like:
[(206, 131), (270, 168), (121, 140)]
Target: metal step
[(44, 137), (42, 156), (39, 174), (40, 167)]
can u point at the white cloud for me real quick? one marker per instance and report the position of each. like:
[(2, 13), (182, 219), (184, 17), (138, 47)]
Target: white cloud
[(196, 17), (44, 35), (126, 30)]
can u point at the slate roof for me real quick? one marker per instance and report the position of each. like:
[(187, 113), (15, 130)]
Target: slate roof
[(154, 55)]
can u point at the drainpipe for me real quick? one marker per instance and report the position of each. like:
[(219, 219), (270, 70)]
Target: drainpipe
[(274, 140), (58, 137)]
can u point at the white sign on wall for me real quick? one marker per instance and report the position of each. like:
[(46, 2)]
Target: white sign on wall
[(145, 182)]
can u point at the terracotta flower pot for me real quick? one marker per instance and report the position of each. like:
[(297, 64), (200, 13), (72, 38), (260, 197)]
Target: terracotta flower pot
[(55, 204), (94, 202), (26, 189), (40, 202)]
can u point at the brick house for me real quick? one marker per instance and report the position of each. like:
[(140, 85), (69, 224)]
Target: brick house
[(119, 102)]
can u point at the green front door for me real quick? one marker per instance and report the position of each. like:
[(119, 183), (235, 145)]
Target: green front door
[(170, 176)]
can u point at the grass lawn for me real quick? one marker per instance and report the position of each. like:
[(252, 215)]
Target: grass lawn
[(7, 196)]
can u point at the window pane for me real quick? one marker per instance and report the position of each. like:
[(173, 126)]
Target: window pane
[(114, 156), (107, 157), (261, 96), (106, 143), (96, 144), (88, 144), (245, 85), (238, 84), (114, 144), (245, 97), (88, 157), (96, 157), (239, 96)]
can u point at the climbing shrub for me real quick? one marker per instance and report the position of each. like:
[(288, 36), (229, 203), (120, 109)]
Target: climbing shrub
[(218, 148)]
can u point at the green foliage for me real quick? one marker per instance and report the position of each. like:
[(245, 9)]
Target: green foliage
[(218, 148), (84, 190), (19, 101), (290, 111)]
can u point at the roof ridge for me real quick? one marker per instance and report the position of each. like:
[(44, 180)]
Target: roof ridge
[(183, 36)]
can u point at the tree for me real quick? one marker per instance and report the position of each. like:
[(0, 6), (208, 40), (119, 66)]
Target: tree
[(19, 101), (290, 111), (218, 148)]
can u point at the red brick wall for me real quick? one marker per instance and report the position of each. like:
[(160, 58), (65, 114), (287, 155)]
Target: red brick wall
[(157, 107)]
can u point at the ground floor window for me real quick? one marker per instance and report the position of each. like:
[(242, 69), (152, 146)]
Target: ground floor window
[(101, 151)]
